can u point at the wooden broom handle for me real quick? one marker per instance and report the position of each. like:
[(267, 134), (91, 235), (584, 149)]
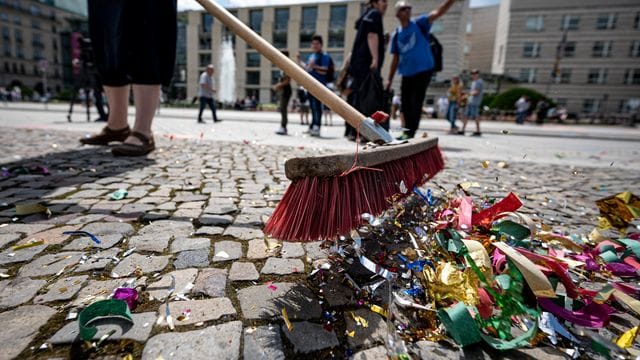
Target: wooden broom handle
[(321, 92)]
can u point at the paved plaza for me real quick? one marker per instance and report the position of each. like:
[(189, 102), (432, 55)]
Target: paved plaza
[(194, 213)]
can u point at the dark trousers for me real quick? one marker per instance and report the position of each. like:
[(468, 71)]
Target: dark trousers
[(284, 111), (316, 111), (413, 91), (204, 101)]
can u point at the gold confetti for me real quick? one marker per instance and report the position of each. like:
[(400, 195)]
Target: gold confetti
[(28, 245), (34, 208), (351, 333), (286, 319), (468, 185), (63, 289), (379, 310), (485, 164), (360, 320), (503, 165), (626, 340)]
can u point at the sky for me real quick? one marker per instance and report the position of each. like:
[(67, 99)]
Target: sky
[(192, 4)]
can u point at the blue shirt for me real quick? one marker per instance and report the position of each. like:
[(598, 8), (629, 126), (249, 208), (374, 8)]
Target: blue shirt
[(320, 59), (412, 46)]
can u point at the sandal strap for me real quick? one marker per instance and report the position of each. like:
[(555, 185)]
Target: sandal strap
[(108, 130), (142, 137)]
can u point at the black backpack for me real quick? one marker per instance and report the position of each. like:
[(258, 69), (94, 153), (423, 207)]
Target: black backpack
[(436, 50), (331, 70)]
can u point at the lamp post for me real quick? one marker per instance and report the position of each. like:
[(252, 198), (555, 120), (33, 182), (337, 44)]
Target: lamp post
[(43, 65)]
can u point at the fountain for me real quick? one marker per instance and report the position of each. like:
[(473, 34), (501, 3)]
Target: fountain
[(227, 87)]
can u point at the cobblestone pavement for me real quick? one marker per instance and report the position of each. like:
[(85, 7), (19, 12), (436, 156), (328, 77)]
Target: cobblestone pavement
[(194, 211)]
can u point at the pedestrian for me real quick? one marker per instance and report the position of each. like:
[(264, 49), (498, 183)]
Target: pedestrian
[(541, 111), (474, 100), (142, 59), (283, 90), (365, 61), (522, 107), (413, 59), (206, 90), (455, 95), (303, 98), (319, 65), (395, 106), (443, 106), (328, 115)]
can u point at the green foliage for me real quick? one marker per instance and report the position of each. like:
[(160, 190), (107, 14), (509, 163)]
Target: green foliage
[(64, 95), (27, 93), (507, 99)]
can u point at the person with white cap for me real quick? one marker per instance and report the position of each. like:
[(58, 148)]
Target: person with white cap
[(413, 58)]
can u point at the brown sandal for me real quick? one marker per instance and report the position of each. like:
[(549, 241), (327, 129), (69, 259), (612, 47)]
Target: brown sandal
[(106, 136), (124, 149)]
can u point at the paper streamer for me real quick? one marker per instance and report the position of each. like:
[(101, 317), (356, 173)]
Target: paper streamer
[(485, 217), (537, 281), (101, 309), (83, 233)]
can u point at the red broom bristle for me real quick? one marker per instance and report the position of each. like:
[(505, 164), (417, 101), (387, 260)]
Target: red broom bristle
[(316, 208)]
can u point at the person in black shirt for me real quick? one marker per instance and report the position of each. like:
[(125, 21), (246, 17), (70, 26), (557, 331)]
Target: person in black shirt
[(283, 90), (367, 55)]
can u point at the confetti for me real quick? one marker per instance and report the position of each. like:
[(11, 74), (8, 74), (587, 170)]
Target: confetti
[(485, 164), (285, 316)]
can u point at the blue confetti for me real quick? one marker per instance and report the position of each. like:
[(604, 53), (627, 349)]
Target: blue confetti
[(83, 233)]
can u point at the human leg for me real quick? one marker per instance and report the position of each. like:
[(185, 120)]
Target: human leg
[(212, 105)]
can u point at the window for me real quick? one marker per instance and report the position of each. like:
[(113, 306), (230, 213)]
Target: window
[(281, 28), (14, 67), (337, 23), (564, 77), (308, 25), (37, 40), (34, 10), (4, 17), (6, 47), (253, 93), (205, 59), (500, 53), (531, 50), (275, 76), (253, 77), (601, 49), (19, 51), (569, 49), (253, 59), (23, 71), (255, 20), (635, 49), (37, 53), (6, 34), (18, 35), (207, 22), (570, 22), (632, 77), (35, 24), (205, 43), (534, 23), (437, 27), (338, 59), (590, 106), (7, 69), (466, 48), (597, 76), (17, 20), (528, 76), (606, 21), (469, 28), (636, 21)]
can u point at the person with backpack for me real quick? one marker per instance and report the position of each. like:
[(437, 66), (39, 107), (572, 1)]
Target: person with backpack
[(411, 47), (320, 66), (367, 57)]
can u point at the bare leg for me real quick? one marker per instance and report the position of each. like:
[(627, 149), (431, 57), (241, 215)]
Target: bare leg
[(477, 119), (118, 98), (146, 100)]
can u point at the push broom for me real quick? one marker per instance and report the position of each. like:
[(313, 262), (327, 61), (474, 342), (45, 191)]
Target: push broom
[(328, 194)]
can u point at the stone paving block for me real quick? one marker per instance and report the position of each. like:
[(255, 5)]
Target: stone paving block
[(52, 236), (81, 220), (307, 337), (109, 228), (186, 214), (135, 209), (20, 326), (282, 266), (201, 310), (263, 302), (139, 331), (63, 289), (291, 250), (368, 336), (10, 256), (97, 261), (215, 220), (209, 230), (220, 342), (168, 206), (147, 263), (183, 280), (98, 289), (257, 249), (87, 194), (18, 291), (6, 239), (376, 353), (184, 243), (227, 250), (221, 209), (244, 233), (211, 282), (192, 258), (314, 251), (263, 343), (26, 229), (185, 197), (50, 264), (150, 242), (83, 242), (242, 271)]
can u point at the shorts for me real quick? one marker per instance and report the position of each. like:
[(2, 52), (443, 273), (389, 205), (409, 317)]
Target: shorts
[(473, 110), (134, 42), (304, 108)]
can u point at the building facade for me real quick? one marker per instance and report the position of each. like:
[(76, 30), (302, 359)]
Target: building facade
[(291, 27), (480, 38), (584, 54), (31, 41)]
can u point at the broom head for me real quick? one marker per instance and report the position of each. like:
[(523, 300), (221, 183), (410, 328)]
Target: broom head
[(328, 194)]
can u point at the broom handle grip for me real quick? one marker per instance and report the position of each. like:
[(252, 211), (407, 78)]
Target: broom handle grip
[(319, 91)]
